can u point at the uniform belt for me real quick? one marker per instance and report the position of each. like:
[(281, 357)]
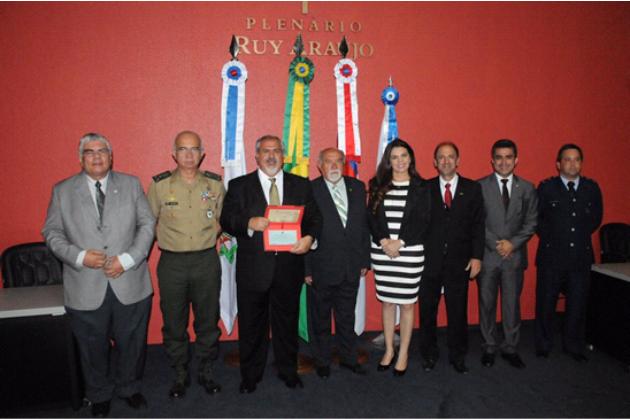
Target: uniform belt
[(191, 252)]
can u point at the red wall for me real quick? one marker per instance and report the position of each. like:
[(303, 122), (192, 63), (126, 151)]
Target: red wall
[(540, 73)]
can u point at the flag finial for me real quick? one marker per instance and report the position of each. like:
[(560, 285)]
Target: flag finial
[(298, 46), (343, 47), (234, 48)]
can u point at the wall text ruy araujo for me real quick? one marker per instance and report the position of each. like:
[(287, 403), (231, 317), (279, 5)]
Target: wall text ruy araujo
[(249, 45)]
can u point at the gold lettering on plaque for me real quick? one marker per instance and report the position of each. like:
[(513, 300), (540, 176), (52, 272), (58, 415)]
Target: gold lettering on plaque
[(297, 24)]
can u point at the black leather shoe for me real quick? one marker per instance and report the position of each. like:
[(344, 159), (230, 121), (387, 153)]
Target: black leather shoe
[(428, 364), (460, 367), (246, 388), (487, 359), (578, 357), (136, 401), (514, 360), (178, 389), (210, 386), (542, 353), (291, 381), (381, 367), (100, 409), (356, 368), (399, 373), (323, 371)]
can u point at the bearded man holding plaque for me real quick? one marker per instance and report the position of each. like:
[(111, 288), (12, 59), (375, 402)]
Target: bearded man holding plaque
[(268, 281)]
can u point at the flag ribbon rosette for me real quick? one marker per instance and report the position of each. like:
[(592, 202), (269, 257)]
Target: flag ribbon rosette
[(234, 74), (389, 126), (348, 138), (297, 121)]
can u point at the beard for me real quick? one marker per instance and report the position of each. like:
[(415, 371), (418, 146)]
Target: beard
[(334, 176)]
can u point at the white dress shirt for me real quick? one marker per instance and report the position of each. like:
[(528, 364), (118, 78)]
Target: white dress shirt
[(510, 181), (453, 183), (566, 182)]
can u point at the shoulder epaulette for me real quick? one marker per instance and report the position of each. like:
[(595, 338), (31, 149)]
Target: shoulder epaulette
[(550, 178), (162, 176), (211, 175)]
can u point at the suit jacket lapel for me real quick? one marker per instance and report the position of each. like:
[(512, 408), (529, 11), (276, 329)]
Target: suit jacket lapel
[(256, 190), (515, 195), (111, 207), (87, 203)]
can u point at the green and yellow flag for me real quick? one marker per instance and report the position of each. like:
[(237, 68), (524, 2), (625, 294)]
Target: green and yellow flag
[(296, 138)]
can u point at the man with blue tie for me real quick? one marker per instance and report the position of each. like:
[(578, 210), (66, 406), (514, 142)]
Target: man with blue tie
[(511, 214), (100, 225), (569, 212)]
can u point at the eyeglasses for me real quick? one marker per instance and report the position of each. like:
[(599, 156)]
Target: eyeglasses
[(191, 149), (91, 153)]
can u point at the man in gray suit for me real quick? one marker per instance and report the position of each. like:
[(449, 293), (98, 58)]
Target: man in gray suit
[(100, 225), (511, 212)]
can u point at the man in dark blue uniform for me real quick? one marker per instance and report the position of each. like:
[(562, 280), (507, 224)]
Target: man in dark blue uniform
[(569, 212)]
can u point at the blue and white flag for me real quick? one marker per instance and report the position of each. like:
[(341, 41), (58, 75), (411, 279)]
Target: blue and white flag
[(389, 126), (234, 75)]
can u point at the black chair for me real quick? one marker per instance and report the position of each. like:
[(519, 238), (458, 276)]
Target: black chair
[(615, 242), (30, 264)]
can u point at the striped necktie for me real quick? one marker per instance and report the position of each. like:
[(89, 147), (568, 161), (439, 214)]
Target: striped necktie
[(339, 203), (100, 200)]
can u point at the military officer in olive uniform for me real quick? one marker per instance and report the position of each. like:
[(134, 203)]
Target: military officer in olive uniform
[(569, 212), (187, 203)]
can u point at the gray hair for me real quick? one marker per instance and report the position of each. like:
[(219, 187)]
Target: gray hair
[(187, 132), (320, 158), (93, 136), (268, 137)]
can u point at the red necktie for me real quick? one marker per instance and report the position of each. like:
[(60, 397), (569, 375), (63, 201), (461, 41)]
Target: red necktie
[(448, 197)]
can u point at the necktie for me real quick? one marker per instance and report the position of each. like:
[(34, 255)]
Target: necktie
[(274, 196), (100, 200), (571, 186), (505, 195), (448, 197), (339, 203)]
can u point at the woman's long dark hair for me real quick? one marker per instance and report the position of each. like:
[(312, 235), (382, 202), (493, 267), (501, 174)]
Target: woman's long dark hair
[(380, 184)]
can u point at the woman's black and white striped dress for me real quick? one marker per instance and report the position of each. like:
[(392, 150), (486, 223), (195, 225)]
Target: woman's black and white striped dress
[(397, 280)]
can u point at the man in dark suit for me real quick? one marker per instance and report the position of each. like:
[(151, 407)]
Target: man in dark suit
[(511, 214), (569, 212), (100, 225), (268, 283), (342, 256), (453, 254)]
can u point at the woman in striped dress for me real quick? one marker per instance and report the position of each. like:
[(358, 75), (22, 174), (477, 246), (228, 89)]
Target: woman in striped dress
[(399, 204)]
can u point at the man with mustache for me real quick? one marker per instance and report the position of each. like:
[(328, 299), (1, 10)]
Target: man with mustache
[(342, 256), (268, 283)]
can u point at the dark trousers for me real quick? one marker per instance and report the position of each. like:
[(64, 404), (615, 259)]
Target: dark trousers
[(185, 280), (340, 298), (510, 282), (575, 285), (95, 330), (277, 306), (456, 299)]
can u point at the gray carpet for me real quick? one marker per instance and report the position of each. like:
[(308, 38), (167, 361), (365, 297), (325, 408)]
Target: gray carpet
[(553, 387)]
